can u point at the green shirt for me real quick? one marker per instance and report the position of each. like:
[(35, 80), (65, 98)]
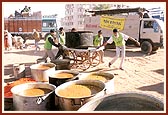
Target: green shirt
[(62, 39), (47, 44), (118, 41), (97, 40)]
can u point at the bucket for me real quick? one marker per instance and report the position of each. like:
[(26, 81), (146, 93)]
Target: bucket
[(28, 101), (41, 71), (106, 78), (131, 101), (19, 70), (73, 94), (62, 64)]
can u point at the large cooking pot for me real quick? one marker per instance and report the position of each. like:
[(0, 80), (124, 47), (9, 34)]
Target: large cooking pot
[(61, 76), (41, 74), (25, 102), (106, 78), (72, 103), (8, 103), (62, 64), (131, 101)]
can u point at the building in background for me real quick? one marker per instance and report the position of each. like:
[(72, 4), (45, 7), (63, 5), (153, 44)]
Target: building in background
[(74, 14)]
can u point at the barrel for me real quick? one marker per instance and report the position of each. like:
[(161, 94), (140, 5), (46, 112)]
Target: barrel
[(79, 39), (129, 101)]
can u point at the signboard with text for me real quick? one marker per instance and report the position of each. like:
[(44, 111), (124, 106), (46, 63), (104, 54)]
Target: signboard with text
[(110, 22)]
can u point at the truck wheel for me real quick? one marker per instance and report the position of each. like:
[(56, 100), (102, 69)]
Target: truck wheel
[(146, 47)]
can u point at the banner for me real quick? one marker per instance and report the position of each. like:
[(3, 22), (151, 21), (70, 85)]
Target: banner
[(110, 22)]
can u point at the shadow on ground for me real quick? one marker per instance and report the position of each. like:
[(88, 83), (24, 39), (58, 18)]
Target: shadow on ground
[(156, 87), (159, 71)]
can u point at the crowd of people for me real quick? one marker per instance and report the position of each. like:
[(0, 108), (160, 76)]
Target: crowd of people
[(59, 42)]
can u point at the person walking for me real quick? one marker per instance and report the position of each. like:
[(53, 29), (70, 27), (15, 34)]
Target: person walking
[(49, 42), (119, 40), (98, 41), (36, 37), (6, 45)]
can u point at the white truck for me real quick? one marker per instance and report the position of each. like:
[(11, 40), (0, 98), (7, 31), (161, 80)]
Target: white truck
[(148, 31)]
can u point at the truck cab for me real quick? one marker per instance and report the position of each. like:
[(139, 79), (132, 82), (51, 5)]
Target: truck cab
[(151, 34)]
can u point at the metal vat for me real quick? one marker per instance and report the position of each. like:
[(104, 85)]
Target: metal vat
[(109, 83), (42, 74), (33, 103), (53, 79), (131, 101), (72, 104)]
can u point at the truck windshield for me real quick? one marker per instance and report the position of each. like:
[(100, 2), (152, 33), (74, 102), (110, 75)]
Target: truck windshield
[(161, 23)]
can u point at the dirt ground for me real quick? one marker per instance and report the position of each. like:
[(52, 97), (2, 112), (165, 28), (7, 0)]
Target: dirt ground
[(142, 73)]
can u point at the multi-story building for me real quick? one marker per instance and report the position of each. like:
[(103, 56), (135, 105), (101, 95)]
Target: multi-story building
[(74, 14)]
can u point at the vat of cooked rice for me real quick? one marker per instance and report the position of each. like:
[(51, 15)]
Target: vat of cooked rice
[(40, 72), (126, 101), (33, 97), (61, 76), (105, 77), (73, 94)]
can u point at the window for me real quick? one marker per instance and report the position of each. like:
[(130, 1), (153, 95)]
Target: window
[(148, 24)]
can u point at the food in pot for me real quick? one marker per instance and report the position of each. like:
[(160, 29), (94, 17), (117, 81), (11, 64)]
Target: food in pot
[(97, 77), (43, 67), (78, 91), (34, 92), (63, 75), (8, 87)]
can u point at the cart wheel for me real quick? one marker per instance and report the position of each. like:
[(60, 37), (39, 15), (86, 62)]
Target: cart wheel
[(72, 58), (95, 59), (84, 65)]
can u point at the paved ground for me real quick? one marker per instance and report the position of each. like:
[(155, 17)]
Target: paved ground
[(143, 73)]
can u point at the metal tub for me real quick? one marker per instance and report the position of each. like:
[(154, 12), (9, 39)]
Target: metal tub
[(124, 102), (33, 103), (42, 75), (109, 84), (72, 104)]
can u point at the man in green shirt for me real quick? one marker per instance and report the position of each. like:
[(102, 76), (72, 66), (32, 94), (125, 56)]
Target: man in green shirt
[(49, 42), (119, 40), (98, 41), (61, 36)]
